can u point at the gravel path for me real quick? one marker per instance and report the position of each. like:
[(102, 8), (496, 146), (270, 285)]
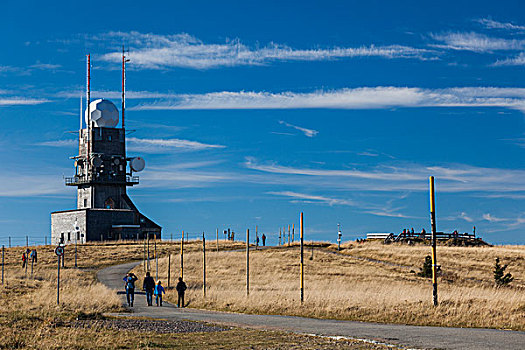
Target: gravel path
[(158, 326), (406, 336)]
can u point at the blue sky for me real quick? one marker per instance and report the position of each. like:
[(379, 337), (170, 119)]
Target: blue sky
[(248, 113)]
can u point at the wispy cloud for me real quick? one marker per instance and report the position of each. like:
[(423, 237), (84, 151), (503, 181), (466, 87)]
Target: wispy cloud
[(476, 42), (58, 143), (321, 199), (45, 66), (404, 177), (465, 217), (163, 145), (155, 51), (20, 185), (518, 60), (358, 98), (492, 24), (368, 208), (305, 131), (21, 101), (492, 218), (146, 145)]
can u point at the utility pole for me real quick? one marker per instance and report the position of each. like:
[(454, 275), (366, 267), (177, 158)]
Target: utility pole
[(204, 264), (169, 269), (434, 243), (3, 252), (156, 257), (144, 255), (182, 256), (293, 232), (247, 262), (288, 235), (148, 266), (302, 259)]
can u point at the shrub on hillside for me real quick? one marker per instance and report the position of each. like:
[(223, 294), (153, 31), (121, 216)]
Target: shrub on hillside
[(500, 277), (426, 270)]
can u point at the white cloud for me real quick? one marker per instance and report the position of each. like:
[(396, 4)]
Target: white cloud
[(45, 66), (21, 185), (146, 145), (465, 217), (358, 98), (476, 42), (154, 51), (368, 208), (58, 143), (491, 218), (512, 61), (21, 101), (306, 132), (491, 24), (307, 197), (404, 177), (162, 145)]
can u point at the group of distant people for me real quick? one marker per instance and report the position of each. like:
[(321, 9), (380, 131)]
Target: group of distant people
[(29, 254), (152, 289)]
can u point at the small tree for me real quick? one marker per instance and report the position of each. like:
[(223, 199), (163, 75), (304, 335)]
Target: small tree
[(426, 271), (500, 277)]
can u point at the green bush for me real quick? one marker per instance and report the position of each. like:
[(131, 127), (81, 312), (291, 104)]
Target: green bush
[(500, 277), (426, 271)]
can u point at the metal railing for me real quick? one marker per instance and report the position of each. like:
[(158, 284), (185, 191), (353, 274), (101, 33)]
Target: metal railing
[(82, 180)]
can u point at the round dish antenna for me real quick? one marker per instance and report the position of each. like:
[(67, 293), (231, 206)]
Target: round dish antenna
[(103, 114), (137, 164)]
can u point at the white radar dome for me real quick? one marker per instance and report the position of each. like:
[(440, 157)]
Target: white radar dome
[(137, 164), (103, 113)]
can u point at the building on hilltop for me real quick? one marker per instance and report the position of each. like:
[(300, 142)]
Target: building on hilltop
[(102, 174)]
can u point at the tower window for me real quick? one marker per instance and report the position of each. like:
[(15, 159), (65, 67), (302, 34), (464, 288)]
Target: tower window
[(69, 236), (85, 202)]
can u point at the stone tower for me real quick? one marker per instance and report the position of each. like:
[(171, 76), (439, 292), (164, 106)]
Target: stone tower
[(102, 174)]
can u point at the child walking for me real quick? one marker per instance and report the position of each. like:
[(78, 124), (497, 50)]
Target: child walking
[(159, 289)]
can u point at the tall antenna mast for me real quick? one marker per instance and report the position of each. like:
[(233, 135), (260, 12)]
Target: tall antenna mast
[(88, 102), (80, 112), (124, 60)]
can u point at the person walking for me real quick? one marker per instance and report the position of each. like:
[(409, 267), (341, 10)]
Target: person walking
[(24, 260), (34, 255), (129, 284), (263, 239), (149, 285), (159, 289), (181, 288), (256, 242)]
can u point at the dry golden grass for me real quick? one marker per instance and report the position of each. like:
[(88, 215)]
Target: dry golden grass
[(345, 287)]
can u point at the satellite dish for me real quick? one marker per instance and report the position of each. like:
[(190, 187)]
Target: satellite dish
[(103, 113), (137, 164), (97, 162)]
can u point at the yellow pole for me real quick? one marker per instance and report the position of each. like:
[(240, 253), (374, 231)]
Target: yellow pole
[(302, 260), (247, 262), (433, 226), (203, 265), (182, 256)]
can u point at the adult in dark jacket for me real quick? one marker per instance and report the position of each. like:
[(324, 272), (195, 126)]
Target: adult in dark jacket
[(149, 285), (129, 284), (181, 288)]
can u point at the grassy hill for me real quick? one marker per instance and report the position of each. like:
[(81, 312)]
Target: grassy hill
[(365, 281)]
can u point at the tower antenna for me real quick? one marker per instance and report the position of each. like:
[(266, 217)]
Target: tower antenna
[(124, 60)]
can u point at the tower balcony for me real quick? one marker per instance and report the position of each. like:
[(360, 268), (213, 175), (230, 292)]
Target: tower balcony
[(85, 180)]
